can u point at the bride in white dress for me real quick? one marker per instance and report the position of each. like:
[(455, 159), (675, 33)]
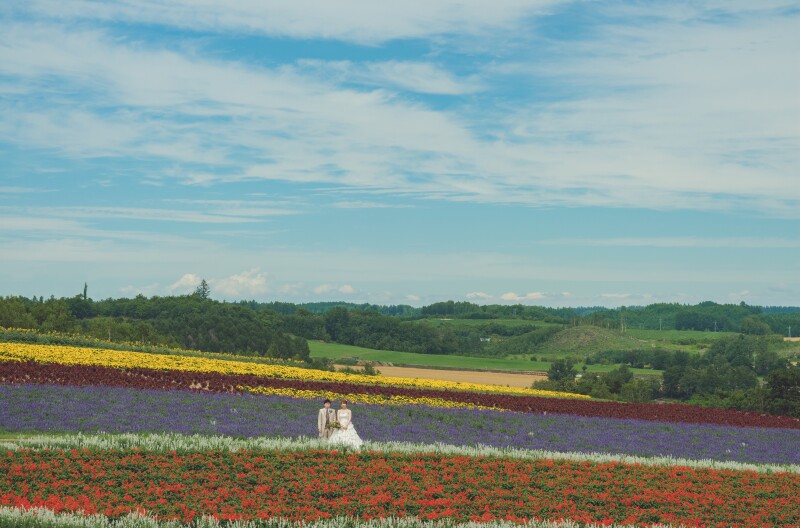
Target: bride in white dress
[(346, 435)]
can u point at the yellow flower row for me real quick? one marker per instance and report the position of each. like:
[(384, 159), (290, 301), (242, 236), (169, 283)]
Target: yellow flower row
[(127, 359), (145, 347), (359, 398)]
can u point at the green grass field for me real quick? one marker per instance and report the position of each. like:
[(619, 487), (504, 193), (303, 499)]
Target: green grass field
[(581, 341), (336, 351)]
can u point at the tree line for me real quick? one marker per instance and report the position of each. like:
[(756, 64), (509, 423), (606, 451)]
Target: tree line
[(729, 375), (189, 322), (706, 316), (249, 327)]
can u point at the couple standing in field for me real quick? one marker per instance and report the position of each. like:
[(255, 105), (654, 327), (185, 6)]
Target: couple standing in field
[(337, 426)]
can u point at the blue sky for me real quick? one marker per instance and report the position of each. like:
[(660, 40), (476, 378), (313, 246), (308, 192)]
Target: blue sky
[(539, 152)]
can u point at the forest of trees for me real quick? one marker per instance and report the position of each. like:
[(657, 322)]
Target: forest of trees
[(727, 375), (189, 322), (467, 310), (706, 316), (370, 329)]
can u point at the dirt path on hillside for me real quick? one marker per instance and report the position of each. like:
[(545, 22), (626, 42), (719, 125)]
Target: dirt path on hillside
[(469, 376)]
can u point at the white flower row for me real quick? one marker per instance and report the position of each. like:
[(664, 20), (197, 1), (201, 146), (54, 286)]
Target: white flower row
[(176, 442), (43, 518)]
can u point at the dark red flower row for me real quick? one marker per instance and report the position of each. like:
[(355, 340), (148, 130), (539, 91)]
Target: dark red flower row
[(140, 378), (316, 485)]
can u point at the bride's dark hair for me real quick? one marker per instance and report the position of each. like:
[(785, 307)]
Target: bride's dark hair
[(345, 402)]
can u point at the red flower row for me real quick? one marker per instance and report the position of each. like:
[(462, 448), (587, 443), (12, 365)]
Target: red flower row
[(30, 372), (317, 485)]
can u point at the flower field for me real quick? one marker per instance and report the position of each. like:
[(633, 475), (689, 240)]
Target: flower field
[(184, 441), (267, 484), (64, 409), (142, 378), (128, 359), (44, 518)]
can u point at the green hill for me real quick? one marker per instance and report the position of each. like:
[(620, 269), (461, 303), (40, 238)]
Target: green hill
[(586, 340)]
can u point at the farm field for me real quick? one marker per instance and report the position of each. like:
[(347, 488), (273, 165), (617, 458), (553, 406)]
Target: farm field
[(121, 434), (584, 341), (512, 379), (336, 351)]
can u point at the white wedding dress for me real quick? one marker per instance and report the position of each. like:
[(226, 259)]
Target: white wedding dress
[(346, 435)]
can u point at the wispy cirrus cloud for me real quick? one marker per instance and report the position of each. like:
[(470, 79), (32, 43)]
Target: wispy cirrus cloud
[(703, 138), (20, 190), (421, 77), (682, 242), (359, 21), (30, 228), (363, 204), (213, 216)]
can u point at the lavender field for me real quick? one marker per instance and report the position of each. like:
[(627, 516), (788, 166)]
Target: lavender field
[(47, 408)]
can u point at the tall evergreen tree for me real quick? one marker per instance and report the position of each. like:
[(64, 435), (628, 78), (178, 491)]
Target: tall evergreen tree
[(203, 290)]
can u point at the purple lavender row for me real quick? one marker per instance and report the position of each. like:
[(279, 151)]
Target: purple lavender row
[(117, 410)]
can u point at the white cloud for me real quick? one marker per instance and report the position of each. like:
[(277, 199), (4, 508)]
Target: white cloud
[(360, 204), (185, 284), (686, 116), (513, 297), (361, 21), (477, 295), (421, 77), (165, 215), (346, 289), (413, 298), (323, 288), (682, 242), (248, 284), (708, 125)]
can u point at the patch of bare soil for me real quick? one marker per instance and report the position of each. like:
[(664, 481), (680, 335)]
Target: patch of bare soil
[(469, 376)]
